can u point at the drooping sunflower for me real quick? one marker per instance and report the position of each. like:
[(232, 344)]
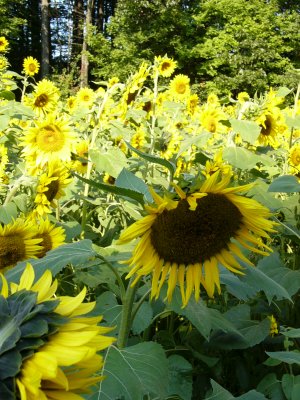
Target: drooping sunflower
[(51, 187), (53, 349), (50, 139), (44, 98), (31, 66), (184, 240), (180, 86), (165, 65), (3, 44), (52, 236), (18, 242)]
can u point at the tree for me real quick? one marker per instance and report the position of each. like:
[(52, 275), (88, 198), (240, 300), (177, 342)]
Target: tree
[(223, 46), (45, 39)]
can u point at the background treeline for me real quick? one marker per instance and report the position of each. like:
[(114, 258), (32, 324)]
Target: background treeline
[(224, 46)]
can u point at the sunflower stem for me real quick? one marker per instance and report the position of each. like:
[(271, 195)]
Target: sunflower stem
[(118, 278), (13, 191), (95, 132), (126, 320), (294, 114)]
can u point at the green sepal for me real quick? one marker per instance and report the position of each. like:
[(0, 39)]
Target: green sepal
[(10, 364)]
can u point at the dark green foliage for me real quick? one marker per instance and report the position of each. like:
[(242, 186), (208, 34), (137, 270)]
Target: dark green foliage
[(223, 46)]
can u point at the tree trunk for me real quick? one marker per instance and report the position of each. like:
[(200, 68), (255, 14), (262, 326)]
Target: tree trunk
[(77, 34), (45, 39), (84, 71)]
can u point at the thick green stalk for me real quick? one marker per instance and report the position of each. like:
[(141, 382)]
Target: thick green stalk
[(126, 320)]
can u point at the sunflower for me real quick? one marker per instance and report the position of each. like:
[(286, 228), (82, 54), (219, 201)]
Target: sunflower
[(210, 119), (213, 100), (52, 236), (85, 96), (165, 65), (113, 81), (180, 86), (80, 157), (44, 98), (273, 325), (52, 351), (217, 164), (3, 63), (138, 140), (243, 96), (3, 160), (51, 187), (71, 103), (18, 242), (192, 103), (134, 84), (294, 159), (269, 125), (184, 240), (31, 66), (3, 44), (50, 139)]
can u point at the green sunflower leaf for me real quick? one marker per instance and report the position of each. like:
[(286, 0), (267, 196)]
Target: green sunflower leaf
[(112, 162), (134, 372), (180, 377), (249, 130), (289, 357), (8, 213), (154, 159), (220, 393), (6, 390), (292, 333), (204, 318), (119, 191), (285, 184), (128, 180), (241, 158), (55, 260)]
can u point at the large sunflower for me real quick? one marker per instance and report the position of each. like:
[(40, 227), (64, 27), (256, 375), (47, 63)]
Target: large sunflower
[(51, 187), (50, 139), (52, 349), (18, 242), (183, 241)]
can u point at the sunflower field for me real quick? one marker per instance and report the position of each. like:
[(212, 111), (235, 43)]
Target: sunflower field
[(149, 241)]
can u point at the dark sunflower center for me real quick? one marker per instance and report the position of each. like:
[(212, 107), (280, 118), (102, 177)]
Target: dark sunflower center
[(187, 237), (46, 244), (52, 190), (165, 66), (12, 250), (41, 100), (266, 131)]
